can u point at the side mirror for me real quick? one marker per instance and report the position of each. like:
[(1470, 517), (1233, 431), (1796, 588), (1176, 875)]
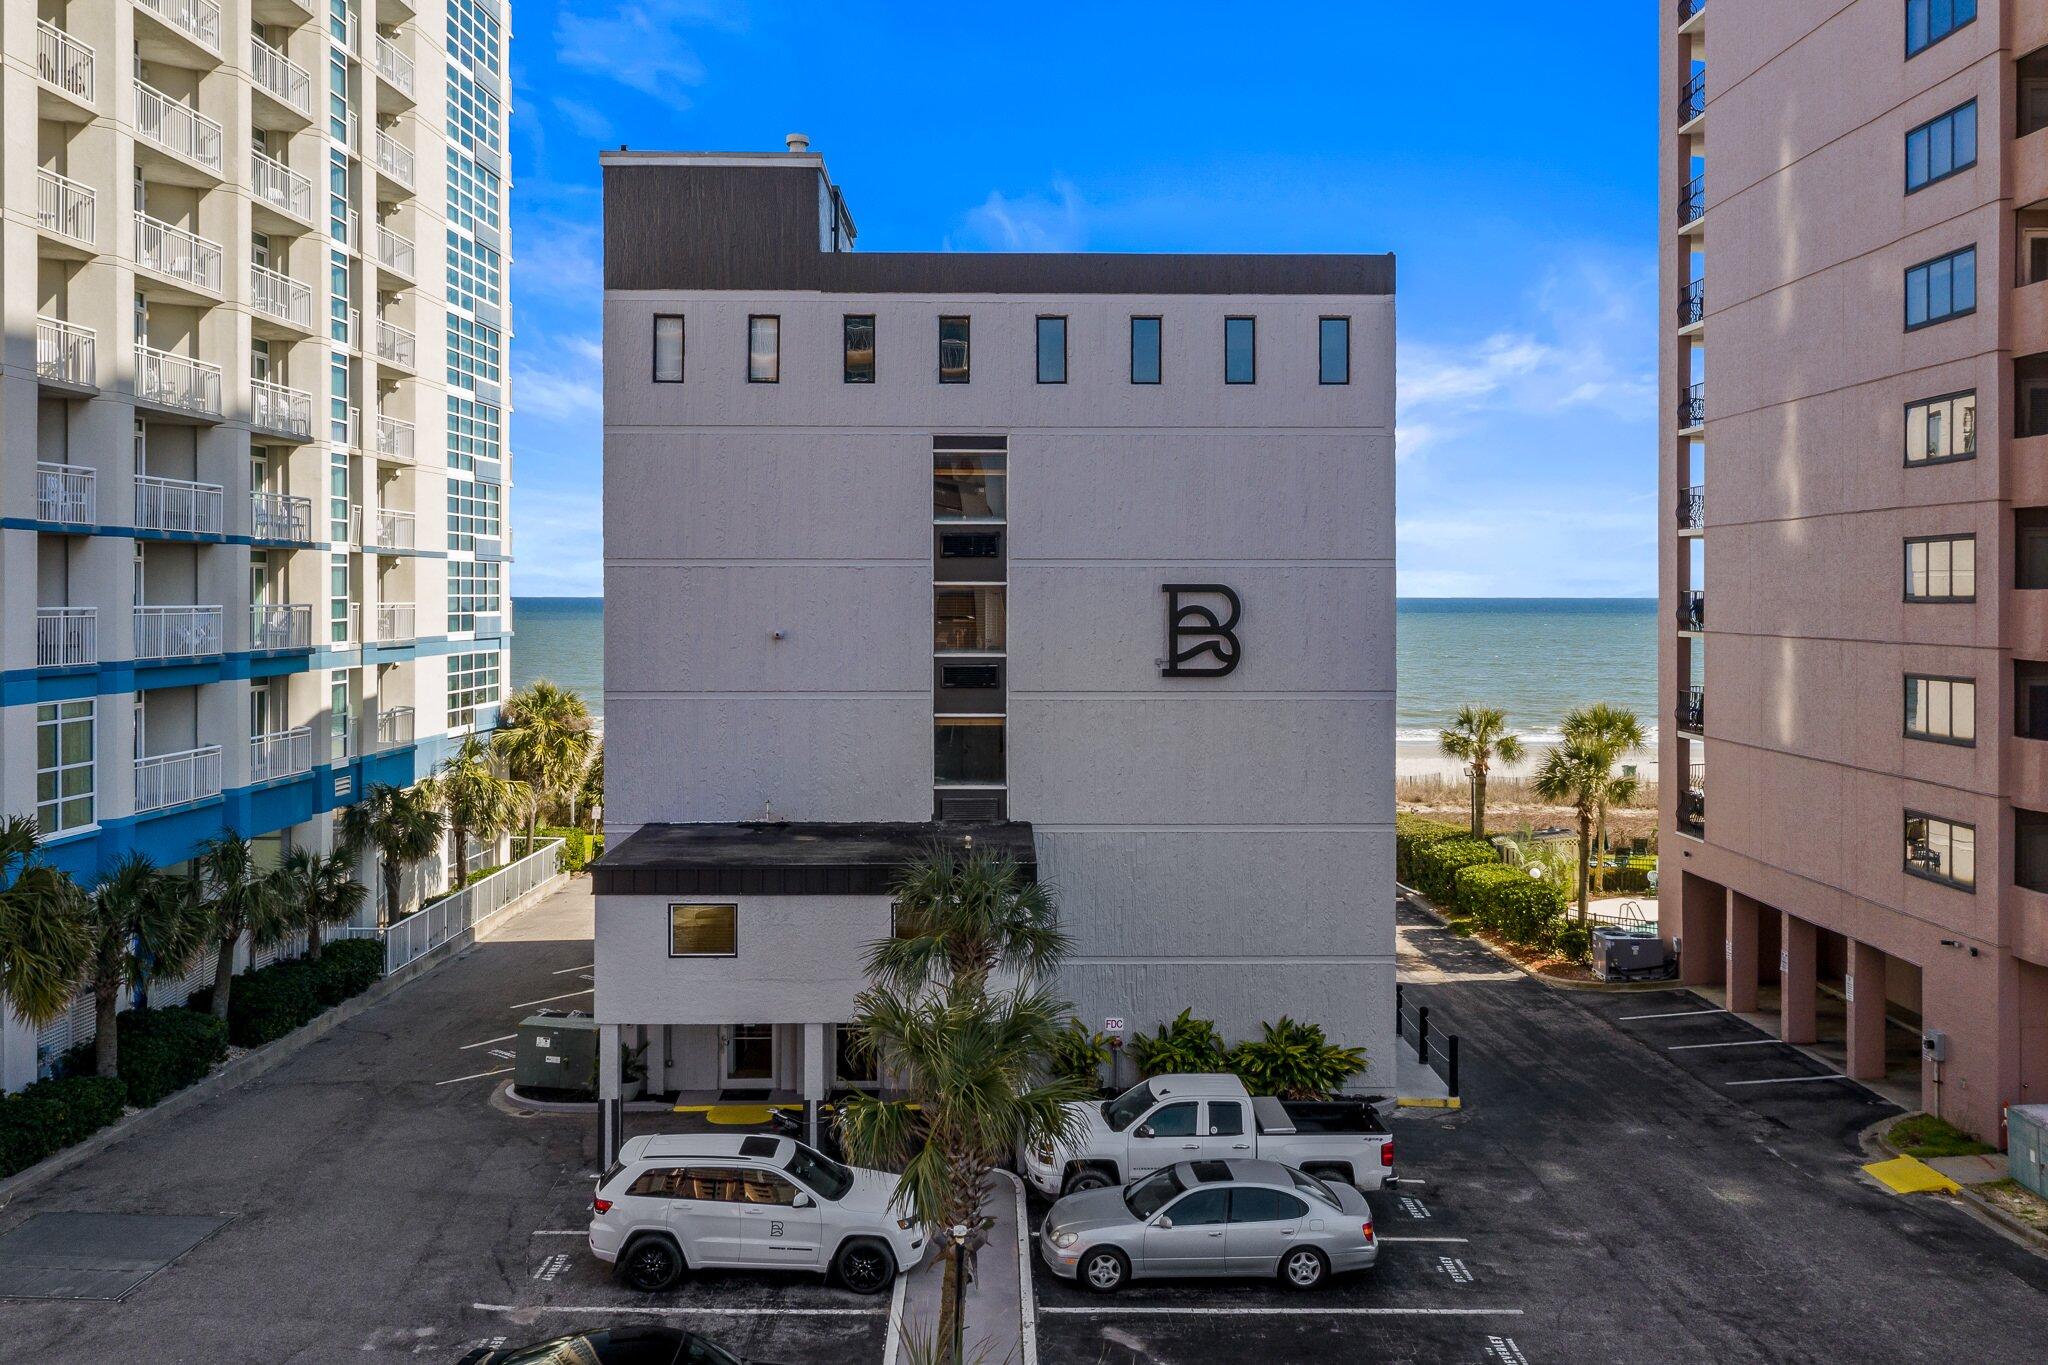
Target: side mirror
[(1162, 1222), (802, 1201), (1144, 1131)]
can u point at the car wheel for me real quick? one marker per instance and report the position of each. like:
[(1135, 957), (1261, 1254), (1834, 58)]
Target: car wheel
[(865, 1267), (1334, 1175), (1103, 1270), (1087, 1178), (651, 1265), (1303, 1268)]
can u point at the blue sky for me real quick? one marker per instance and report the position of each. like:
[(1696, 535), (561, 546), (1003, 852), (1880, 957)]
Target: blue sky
[(1508, 159)]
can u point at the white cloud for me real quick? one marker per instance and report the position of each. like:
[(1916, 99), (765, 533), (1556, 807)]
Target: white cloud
[(561, 542), (1031, 223), (559, 388), (591, 123), (558, 259), (642, 47)]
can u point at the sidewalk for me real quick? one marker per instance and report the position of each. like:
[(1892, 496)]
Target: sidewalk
[(999, 1326)]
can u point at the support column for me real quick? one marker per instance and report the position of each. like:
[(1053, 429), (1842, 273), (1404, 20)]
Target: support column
[(1743, 913), (1866, 1012), (611, 1106), (814, 1078), (1702, 909), (1798, 971)]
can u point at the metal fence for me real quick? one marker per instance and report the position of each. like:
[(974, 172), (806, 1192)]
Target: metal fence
[(412, 938), (1437, 1049)]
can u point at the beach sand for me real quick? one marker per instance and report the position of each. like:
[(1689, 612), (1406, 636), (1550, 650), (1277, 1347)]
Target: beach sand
[(1421, 758), (1427, 783)]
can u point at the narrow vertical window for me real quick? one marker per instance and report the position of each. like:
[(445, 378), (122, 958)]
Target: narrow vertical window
[(764, 349), (1333, 351), (1240, 351), (953, 349), (668, 348), (1145, 350), (860, 348), (1052, 350)]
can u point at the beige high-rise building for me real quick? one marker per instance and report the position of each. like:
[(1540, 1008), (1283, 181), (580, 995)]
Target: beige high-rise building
[(1854, 477)]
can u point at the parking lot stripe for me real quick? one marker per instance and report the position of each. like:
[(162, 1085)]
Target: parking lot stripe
[(566, 970), (1746, 1042), (560, 1232), (639, 1309), (487, 1042), (570, 995), (892, 1342), (477, 1077), (1787, 1080), (1668, 1014), (1460, 1240), (1151, 1310)]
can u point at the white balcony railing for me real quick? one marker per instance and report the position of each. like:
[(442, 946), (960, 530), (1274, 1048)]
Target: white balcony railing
[(395, 439), (396, 345), (395, 159), (177, 128), (65, 352), (64, 206), (395, 623), (395, 251), (394, 530), (393, 65), (281, 187), (283, 753), (63, 61), (287, 411), (177, 632), (198, 20), (179, 505), (280, 77), (184, 256), (173, 779), (67, 637), (278, 295), (280, 516), (280, 625), (177, 381), (65, 493), (394, 727)]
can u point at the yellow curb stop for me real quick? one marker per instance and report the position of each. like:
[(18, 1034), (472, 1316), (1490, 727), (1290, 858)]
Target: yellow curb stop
[(1909, 1175)]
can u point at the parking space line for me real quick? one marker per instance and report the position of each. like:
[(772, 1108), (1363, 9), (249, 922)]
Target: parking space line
[(570, 995), (1787, 1080), (662, 1310), (892, 1341), (487, 1042), (566, 970), (1668, 1014), (477, 1077), (561, 1232), (1746, 1042), (1152, 1310), (1460, 1240)]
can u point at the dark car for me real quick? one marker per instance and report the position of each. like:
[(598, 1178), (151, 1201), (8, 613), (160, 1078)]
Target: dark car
[(614, 1346)]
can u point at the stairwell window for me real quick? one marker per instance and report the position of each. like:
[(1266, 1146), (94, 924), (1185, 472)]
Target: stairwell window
[(1941, 850), (1145, 337), (1941, 709), (1052, 350), (1940, 289), (668, 348), (1929, 21), (1942, 429), (1240, 351), (1941, 147), (1941, 569), (1333, 350), (764, 349), (858, 367), (953, 350)]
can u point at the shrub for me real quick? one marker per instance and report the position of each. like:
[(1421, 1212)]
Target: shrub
[(348, 967), (1078, 1054), (1436, 865), (52, 1115), (1574, 941), (1295, 1062), (1185, 1045), (1509, 902), (271, 1001), (28, 1131), (1412, 832), (165, 1050)]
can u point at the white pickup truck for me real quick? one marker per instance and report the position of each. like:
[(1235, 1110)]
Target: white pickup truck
[(1166, 1119)]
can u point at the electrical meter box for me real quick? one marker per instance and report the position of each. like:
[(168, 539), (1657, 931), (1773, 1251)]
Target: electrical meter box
[(556, 1053), (2026, 1145)]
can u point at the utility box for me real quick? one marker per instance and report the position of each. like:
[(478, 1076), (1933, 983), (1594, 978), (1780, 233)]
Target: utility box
[(2026, 1146), (1622, 954), (557, 1054)]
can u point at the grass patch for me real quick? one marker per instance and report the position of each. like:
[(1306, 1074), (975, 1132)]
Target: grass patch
[(2017, 1200), (1924, 1135)]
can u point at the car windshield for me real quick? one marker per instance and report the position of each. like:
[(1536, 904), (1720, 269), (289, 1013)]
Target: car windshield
[(1308, 1184), (1127, 1108), (1153, 1193), (818, 1172)]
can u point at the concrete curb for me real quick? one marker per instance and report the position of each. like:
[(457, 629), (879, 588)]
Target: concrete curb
[(1420, 902), (1876, 1140)]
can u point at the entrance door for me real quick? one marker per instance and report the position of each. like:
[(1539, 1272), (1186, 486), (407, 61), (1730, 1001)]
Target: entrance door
[(749, 1051)]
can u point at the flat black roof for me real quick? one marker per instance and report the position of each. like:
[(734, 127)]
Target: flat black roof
[(789, 858)]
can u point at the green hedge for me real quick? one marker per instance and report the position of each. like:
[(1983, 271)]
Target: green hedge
[(579, 847), (52, 1115), (1436, 864), (270, 1002), (349, 967), (163, 1051), (1509, 902), (1412, 832)]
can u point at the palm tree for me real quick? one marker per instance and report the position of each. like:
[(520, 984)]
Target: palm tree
[(244, 900), (114, 910), (44, 940), (961, 914), (403, 824), (1479, 735), (170, 932), (590, 792), (1618, 730), (319, 889), (476, 799), (1578, 774), (544, 737)]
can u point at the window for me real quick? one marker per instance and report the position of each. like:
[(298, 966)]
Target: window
[(472, 685), (968, 750), (473, 511), (473, 37), (764, 349), (472, 591), (1940, 289), (1174, 1120), (1240, 351), (1941, 147), (953, 350), (1333, 350), (472, 432), (472, 193), (473, 273), (1226, 1118), (1265, 1206), (967, 619), (1941, 429), (1941, 850), (1203, 1208), (703, 931), (1052, 350), (1942, 570), (1941, 708), (668, 348), (1145, 334), (1929, 21), (64, 765), (968, 486), (472, 353), (474, 116), (860, 348)]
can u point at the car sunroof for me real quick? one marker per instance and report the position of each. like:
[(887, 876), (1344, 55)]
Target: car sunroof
[(1209, 1172), (759, 1146)]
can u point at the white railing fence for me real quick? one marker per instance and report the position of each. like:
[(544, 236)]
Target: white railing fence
[(64, 206), (67, 637), (65, 352), (177, 127), (281, 754), (177, 381), (465, 911), (177, 632), (63, 61), (281, 625), (172, 779), (179, 505), (280, 75)]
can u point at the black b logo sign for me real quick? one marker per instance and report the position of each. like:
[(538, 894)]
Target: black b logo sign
[(1194, 630)]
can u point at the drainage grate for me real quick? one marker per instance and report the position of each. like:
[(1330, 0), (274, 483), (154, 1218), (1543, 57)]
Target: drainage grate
[(94, 1255)]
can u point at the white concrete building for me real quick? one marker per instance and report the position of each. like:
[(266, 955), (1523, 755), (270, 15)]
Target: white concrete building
[(894, 543), (252, 469)]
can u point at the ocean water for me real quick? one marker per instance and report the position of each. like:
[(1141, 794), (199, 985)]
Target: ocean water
[(1535, 658)]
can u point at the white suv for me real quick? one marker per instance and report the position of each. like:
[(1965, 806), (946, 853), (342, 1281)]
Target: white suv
[(672, 1204)]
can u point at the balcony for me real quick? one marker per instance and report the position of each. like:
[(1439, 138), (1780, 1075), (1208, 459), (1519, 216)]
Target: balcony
[(1692, 710), (280, 517), (280, 187), (394, 66), (285, 411), (395, 159), (65, 207), (67, 637), (1692, 202), (1692, 305), (65, 353), (177, 254), (281, 78), (394, 440), (165, 780), (1692, 408), (395, 252), (1692, 610), (1692, 101), (64, 62), (396, 345), (393, 530), (283, 753), (1690, 9), (1692, 510), (179, 506), (178, 128), (1692, 802), (65, 494), (279, 296), (396, 623), (178, 632), (198, 20), (177, 382), (277, 626), (394, 728)]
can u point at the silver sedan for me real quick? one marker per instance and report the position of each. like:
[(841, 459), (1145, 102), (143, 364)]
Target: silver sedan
[(1244, 1218)]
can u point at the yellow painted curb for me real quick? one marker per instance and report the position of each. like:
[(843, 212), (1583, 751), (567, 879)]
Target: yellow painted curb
[(1428, 1102), (738, 1115), (1909, 1175)]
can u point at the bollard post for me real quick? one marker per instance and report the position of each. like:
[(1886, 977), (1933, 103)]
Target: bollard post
[(1453, 1077), (1422, 1034)]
